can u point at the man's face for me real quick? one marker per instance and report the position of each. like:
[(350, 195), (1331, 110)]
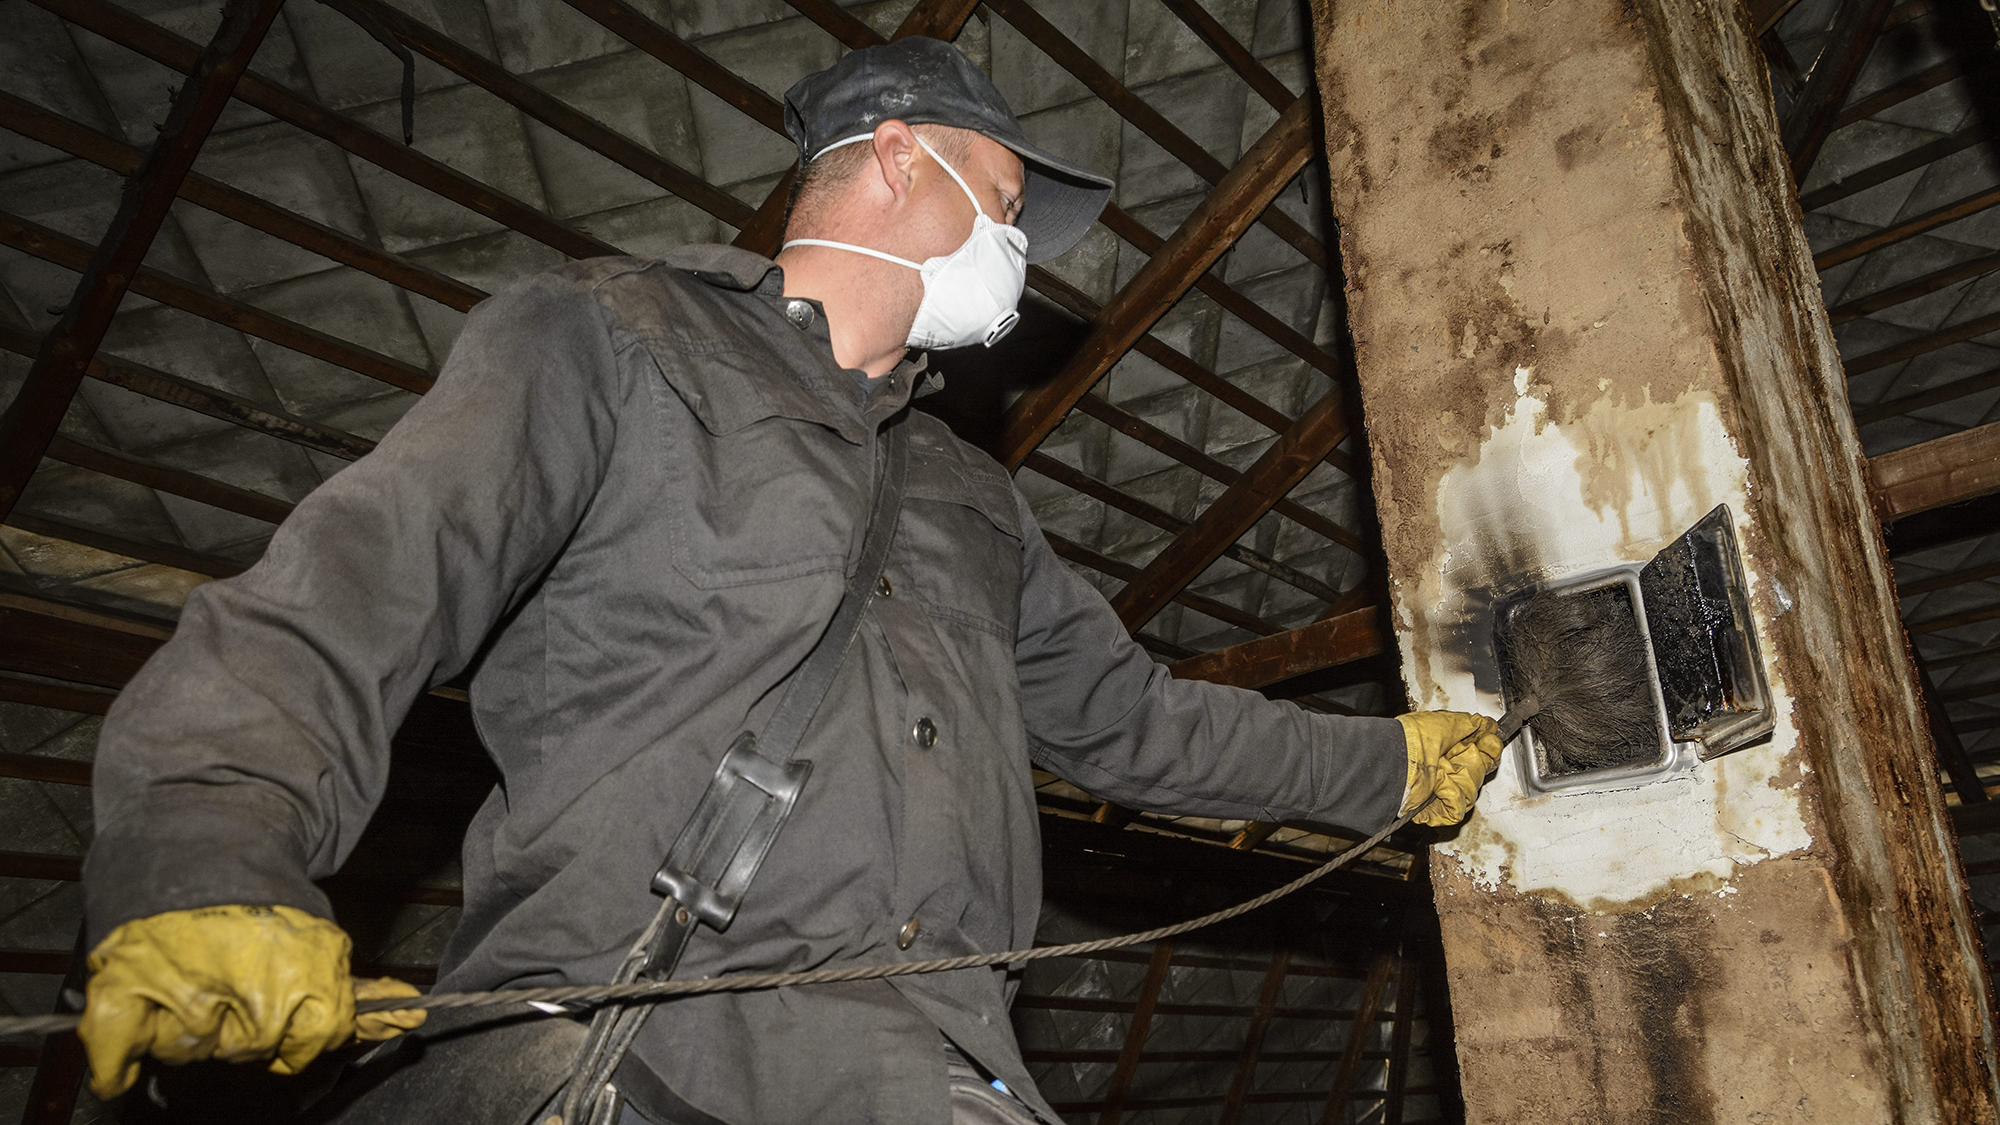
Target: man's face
[(993, 173)]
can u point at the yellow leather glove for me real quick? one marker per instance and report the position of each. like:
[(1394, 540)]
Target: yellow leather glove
[(1450, 755), (226, 982)]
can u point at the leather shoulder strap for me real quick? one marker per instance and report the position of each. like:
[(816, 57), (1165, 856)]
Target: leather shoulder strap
[(809, 685)]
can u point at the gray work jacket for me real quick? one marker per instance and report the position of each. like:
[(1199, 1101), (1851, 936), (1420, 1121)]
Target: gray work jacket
[(634, 494)]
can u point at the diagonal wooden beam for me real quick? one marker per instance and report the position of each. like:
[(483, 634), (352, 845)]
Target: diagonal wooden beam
[(1050, 41), (1075, 302), (1953, 621), (1103, 564), (1855, 28), (1946, 581), (1244, 1079), (1951, 753), (1921, 286), (1765, 14), (62, 250), (1947, 392), (551, 111), (1287, 462), (938, 19), (81, 141), (1924, 345), (1932, 474), (1214, 226), (180, 558), (31, 421), (1399, 1040), (1357, 1042), (1886, 170), (194, 396), (1923, 81), (1135, 1035), (1154, 438), (1232, 299), (1908, 228), (392, 156), (1354, 635), (1133, 506), (59, 1072), (165, 478), (1210, 31)]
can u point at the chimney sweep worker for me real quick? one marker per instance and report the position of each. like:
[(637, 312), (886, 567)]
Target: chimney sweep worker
[(640, 495)]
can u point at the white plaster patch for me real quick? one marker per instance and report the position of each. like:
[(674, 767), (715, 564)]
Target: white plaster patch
[(1545, 500)]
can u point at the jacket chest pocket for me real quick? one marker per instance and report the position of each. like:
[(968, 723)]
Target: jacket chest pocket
[(756, 492), (961, 539)]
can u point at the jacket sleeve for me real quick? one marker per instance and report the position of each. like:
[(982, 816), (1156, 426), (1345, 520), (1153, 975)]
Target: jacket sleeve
[(246, 757), (1105, 717)]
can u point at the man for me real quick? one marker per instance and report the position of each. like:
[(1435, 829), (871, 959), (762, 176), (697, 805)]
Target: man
[(634, 500)]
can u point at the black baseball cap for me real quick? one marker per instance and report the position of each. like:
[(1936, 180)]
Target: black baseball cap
[(928, 82)]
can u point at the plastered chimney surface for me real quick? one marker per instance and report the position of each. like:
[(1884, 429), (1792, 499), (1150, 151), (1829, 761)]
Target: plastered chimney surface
[(1584, 316)]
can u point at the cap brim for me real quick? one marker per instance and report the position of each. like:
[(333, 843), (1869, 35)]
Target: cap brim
[(1062, 200)]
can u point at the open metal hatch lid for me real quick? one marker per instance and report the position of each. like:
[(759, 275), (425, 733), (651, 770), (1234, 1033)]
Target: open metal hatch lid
[(1712, 680)]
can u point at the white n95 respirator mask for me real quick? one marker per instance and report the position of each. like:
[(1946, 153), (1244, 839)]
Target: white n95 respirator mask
[(972, 294)]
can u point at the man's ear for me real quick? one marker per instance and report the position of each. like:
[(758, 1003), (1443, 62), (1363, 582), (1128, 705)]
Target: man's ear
[(896, 149)]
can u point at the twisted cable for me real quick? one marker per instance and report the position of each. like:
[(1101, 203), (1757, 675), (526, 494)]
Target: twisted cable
[(561, 999)]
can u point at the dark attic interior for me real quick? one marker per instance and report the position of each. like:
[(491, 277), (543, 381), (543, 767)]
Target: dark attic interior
[(1407, 330)]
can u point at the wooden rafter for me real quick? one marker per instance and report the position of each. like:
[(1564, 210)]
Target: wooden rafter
[(166, 478), (1908, 228), (1883, 171), (1135, 1035), (1950, 748), (62, 250), (1357, 1042), (1854, 31), (1946, 470), (1052, 42), (1125, 572), (1925, 344), (1947, 581), (202, 399), (1923, 81), (180, 558), (551, 111), (161, 46), (1953, 620), (1921, 286), (1239, 58), (1075, 302), (1214, 226), (31, 421), (1090, 486), (1287, 462), (1355, 635), (1398, 1086), (59, 1071), (1242, 1082), (81, 141), (1153, 438), (1232, 300)]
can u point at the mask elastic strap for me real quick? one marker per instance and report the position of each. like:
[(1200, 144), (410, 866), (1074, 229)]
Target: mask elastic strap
[(945, 164), (855, 249), (956, 178)]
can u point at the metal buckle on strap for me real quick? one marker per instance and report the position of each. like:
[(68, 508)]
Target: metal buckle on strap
[(734, 825)]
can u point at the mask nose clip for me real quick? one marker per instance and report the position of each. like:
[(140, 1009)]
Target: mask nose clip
[(1002, 324)]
